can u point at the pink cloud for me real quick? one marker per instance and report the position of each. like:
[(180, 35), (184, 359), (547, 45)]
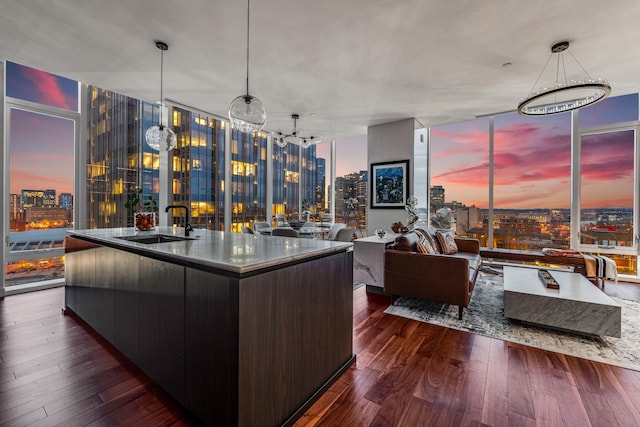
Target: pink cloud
[(21, 180), (48, 88)]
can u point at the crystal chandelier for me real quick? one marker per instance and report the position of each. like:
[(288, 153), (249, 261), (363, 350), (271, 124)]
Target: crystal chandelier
[(246, 112), (161, 137), (295, 137), (563, 95)]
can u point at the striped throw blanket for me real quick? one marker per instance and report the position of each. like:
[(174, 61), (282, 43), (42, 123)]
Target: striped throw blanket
[(600, 267)]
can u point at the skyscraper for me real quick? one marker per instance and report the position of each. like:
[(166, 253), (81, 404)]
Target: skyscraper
[(320, 184), (65, 200), (198, 169), (437, 197), (49, 198), (118, 161)]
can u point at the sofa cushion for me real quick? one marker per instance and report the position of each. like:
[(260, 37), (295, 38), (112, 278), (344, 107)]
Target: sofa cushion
[(407, 242), (430, 235), (426, 240), (424, 246), (447, 242)]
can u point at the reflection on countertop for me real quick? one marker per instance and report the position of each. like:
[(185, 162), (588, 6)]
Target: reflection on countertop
[(233, 252)]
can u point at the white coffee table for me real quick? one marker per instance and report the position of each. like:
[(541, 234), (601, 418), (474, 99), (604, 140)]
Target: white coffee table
[(577, 306)]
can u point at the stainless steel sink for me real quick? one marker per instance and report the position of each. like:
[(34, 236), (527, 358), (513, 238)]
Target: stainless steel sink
[(154, 238)]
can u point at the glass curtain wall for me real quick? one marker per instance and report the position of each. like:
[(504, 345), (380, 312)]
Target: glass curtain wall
[(118, 161), (248, 179), (308, 182), (41, 117), (286, 181), (198, 169)]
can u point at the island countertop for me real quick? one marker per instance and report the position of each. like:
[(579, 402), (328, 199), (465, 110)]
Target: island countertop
[(232, 252)]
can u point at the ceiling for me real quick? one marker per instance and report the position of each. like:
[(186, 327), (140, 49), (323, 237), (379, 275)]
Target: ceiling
[(343, 65)]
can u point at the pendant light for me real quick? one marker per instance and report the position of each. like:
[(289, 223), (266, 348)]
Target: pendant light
[(563, 95), (161, 137), (246, 112), (295, 136)]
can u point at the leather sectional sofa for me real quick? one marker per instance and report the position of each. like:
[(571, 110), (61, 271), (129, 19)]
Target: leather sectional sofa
[(435, 277)]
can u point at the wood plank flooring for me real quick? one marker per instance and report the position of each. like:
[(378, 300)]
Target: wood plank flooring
[(54, 371)]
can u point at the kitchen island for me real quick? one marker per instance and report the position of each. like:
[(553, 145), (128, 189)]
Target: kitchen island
[(240, 329)]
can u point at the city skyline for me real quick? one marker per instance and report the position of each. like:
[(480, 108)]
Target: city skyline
[(531, 161)]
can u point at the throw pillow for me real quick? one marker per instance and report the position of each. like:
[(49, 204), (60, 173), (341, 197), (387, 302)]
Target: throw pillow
[(447, 242), (429, 240), (424, 246)]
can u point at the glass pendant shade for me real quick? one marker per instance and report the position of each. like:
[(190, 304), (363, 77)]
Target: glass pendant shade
[(281, 142), (247, 114), (160, 138)]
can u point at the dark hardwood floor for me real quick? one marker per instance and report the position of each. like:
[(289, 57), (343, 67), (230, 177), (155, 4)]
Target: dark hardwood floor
[(54, 371)]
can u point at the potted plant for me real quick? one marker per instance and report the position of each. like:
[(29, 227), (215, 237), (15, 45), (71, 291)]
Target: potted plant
[(143, 209)]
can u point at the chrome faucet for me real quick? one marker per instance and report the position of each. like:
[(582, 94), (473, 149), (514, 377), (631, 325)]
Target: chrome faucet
[(187, 226)]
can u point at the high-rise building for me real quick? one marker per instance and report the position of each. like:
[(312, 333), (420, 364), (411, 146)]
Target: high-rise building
[(294, 172), (65, 200), (198, 169), (351, 198), (118, 160), (436, 197), (15, 206), (321, 165), (467, 218), (308, 178), (49, 198), (32, 198)]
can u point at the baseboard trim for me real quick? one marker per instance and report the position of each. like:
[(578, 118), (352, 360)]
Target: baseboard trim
[(306, 405), (375, 290)]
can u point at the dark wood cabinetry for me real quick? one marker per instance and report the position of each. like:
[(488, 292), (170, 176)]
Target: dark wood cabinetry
[(248, 350)]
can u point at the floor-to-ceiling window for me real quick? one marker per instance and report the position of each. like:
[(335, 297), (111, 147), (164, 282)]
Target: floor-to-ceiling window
[(551, 187), (41, 117), (532, 182), (609, 182), (351, 183), (323, 171), (460, 175)]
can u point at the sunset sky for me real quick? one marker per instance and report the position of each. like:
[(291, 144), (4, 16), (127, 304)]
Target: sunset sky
[(532, 159), (532, 155)]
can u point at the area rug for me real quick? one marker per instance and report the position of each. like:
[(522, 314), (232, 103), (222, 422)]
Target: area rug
[(484, 316)]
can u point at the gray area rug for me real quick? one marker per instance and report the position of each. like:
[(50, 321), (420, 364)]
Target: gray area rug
[(484, 316)]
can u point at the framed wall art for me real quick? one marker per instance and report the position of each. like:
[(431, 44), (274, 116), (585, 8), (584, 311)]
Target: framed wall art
[(389, 183)]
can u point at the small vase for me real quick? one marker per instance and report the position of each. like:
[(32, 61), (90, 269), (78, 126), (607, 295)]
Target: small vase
[(144, 221)]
